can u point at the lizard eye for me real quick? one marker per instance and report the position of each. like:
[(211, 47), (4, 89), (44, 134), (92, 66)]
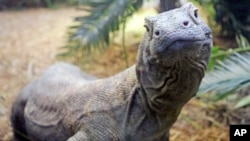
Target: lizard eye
[(147, 28), (196, 13), (157, 32)]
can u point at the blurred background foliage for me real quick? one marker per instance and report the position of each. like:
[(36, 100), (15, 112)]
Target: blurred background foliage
[(94, 30), (231, 15), (229, 70), (21, 4)]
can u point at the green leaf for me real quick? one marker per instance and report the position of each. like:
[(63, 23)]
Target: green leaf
[(228, 76), (242, 41), (105, 16), (243, 102)]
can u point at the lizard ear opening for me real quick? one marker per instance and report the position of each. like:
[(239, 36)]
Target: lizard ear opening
[(149, 22)]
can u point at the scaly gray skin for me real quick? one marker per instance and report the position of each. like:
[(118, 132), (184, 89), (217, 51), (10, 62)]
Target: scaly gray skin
[(140, 103)]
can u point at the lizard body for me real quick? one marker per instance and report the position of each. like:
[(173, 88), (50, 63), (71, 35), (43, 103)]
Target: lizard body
[(140, 103)]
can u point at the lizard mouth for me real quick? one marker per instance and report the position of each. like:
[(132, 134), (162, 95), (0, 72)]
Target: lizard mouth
[(176, 41), (177, 44), (180, 43)]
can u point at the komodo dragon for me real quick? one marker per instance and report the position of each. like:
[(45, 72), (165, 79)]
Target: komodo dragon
[(140, 103)]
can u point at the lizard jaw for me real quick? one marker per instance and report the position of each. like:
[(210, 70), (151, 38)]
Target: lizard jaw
[(171, 44)]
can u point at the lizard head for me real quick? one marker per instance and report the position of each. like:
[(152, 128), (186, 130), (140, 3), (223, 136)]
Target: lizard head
[(177, 35), (173, 57)]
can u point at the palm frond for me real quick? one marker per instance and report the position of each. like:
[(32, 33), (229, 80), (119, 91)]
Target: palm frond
[(243, 102), (104, 17), (228, 76), (219, 54)]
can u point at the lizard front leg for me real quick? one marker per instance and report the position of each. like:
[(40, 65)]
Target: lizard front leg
[(94, 134), (79, 136)]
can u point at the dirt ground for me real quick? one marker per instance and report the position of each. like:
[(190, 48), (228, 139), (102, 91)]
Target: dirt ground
[(29, 42)]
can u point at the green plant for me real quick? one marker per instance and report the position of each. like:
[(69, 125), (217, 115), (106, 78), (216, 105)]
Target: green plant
[(228, 76), (220, 55), (229, 71), (93, 30)]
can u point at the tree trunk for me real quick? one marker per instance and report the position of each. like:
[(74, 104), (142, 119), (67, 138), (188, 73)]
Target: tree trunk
[(166, 5)]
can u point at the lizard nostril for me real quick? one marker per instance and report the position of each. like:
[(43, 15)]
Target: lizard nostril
[(196, 13), (208, 34), (185, 23), (157, 33)]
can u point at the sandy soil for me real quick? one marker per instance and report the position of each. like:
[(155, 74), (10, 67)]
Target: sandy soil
[(29, 42)]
